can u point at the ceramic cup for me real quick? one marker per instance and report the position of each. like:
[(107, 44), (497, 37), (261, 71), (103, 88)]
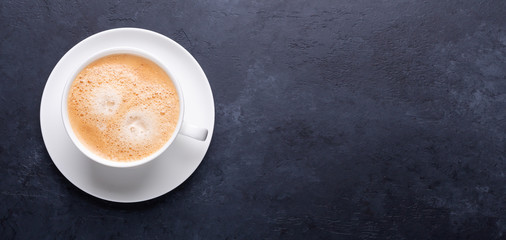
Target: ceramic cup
[(182, 128)]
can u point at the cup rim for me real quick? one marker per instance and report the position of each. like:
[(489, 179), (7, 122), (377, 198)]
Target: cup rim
[(75, 139)]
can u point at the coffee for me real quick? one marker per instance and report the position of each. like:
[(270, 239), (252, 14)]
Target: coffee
[(123, 107)]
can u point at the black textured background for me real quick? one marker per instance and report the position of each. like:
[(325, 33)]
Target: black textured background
[(334, 120)]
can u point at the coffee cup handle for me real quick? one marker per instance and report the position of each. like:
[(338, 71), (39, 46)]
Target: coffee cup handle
[(193, 131)]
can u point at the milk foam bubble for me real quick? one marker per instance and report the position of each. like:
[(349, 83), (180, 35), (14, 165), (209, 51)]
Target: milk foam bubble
[(138, 126), (105, 100)]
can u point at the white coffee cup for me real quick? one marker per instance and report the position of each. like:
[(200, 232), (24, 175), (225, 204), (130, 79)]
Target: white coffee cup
[(186, 129)]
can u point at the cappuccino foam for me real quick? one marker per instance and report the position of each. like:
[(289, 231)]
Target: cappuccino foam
[(123, 107)]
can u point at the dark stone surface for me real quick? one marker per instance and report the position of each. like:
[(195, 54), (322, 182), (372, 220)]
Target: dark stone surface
[(334, 120)]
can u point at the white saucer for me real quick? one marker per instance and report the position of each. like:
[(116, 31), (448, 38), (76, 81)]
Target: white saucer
[(162, 174)]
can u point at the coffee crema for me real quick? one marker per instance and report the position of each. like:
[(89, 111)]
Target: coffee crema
[(123, 107)]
